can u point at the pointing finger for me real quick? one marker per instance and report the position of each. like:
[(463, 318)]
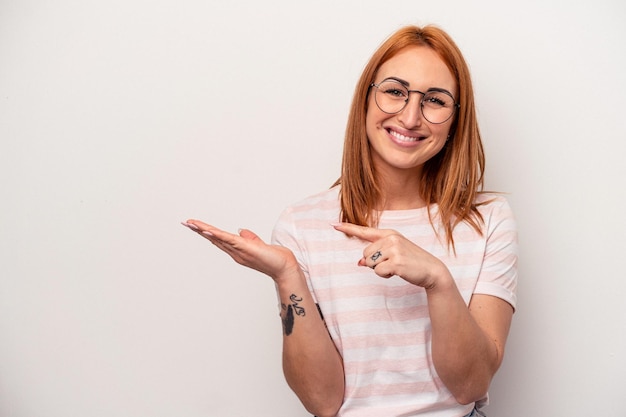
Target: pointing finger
[(369, 234)]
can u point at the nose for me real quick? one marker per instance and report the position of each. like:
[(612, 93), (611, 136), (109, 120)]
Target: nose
[(411, 116)]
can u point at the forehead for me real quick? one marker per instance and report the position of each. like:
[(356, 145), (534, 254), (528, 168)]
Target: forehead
[(420, 66)]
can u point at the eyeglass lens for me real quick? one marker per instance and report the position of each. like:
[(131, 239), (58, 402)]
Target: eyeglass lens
[(391, 97)]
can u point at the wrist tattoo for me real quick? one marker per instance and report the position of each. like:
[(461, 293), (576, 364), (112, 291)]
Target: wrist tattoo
[(290, 309)]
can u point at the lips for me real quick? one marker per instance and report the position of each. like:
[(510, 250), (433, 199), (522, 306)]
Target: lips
[(404, 138)]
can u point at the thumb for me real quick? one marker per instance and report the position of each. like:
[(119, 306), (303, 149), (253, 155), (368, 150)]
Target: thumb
[(248, 234)]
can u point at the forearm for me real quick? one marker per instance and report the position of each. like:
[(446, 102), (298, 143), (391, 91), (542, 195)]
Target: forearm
[(464, 356), (313, 368)]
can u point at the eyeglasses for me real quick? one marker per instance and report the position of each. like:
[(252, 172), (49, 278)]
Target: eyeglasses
[(437, 105)]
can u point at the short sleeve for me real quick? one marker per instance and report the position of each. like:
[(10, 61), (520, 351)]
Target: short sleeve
[(285, 233), (499, 272)]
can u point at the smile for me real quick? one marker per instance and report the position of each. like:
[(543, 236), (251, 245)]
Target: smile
[(402, 138)]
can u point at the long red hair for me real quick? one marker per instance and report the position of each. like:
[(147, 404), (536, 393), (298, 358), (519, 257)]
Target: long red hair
[(452, 178)]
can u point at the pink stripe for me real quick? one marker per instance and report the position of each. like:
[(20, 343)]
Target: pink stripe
[(386, 340), (371, 290), (396, 365), (338, 269), (392, 389), (339, 246), (315, 204), (380, 314)]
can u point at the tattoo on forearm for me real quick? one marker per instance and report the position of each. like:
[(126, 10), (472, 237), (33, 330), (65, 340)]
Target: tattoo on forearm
[(288, 318), (319, 310), (294, 301)]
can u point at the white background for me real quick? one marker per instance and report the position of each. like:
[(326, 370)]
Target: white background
[(120, 118)]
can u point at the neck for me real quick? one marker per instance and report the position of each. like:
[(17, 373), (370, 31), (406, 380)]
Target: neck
[(401, 191)]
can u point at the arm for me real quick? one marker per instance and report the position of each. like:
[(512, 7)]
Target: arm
[(468, 343), (312, 365), (313, 368)]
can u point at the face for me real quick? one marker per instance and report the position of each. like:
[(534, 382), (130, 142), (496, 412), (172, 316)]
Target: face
[(404, 141)]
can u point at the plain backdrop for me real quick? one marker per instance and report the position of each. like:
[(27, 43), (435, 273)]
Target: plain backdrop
[(121, 118)]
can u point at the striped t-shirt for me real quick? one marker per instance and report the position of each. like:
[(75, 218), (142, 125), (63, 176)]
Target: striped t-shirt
[(381, 326)]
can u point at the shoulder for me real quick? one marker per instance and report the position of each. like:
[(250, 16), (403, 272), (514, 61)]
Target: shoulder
[(323, 207), (327, 200), (490, 198), (308, 217), (499, 222), (489, 204), (494, 213)]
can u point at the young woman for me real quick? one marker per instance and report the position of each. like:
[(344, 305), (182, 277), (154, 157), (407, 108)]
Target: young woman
[(397, 285)]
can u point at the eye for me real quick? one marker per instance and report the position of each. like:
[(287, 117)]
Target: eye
[(396, 93), (437, 99), (393, 90)]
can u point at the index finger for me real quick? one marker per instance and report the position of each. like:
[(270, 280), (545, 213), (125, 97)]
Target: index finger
[(369, 234)]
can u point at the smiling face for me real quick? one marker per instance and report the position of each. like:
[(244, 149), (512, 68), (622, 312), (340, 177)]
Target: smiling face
[(403, 142)]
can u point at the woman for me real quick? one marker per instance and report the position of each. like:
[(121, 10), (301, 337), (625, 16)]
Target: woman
[(412, 268)]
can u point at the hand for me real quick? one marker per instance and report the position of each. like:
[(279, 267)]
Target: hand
[(390, 253), (249, 250)]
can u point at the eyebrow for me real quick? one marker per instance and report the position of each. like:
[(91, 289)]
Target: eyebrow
[(407, 85), (400, 80)]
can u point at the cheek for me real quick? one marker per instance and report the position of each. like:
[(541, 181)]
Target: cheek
[(374, 118), (439, 136), (370, 122), (441, 131)]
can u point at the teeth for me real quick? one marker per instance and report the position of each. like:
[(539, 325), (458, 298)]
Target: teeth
[(403, 138)]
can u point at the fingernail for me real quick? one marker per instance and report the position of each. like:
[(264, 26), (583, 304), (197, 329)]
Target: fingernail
[(335, 224), (207, 233), (191, 226)]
